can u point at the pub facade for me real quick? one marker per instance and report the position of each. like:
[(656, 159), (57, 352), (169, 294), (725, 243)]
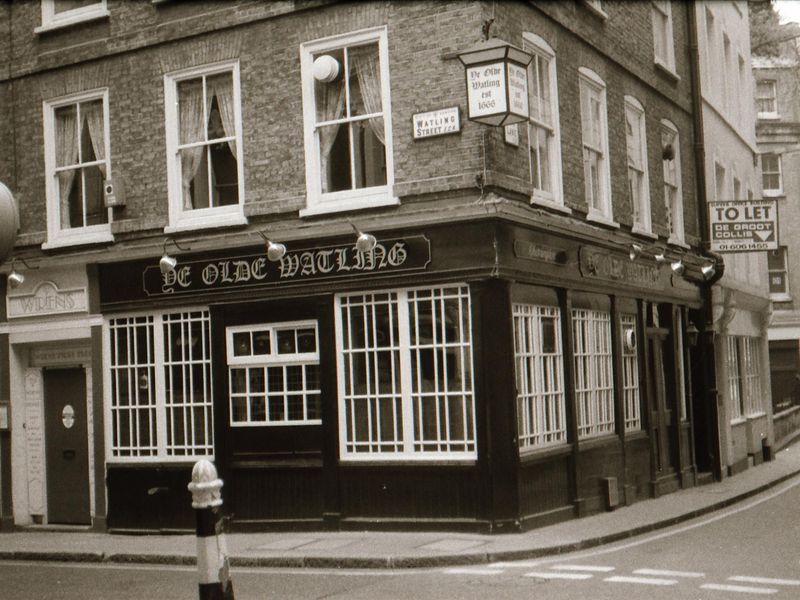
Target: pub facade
[(512, 347)]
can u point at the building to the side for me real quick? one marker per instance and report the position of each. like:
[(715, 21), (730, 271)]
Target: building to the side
[(740, 300), (778, 133), (516, 348)]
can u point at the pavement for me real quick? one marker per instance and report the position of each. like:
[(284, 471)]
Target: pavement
[(378, 549)]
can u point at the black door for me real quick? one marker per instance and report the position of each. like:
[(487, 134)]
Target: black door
[(66, 446)]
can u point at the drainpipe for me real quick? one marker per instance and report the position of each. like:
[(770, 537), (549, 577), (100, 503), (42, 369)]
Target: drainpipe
[(706, 344)]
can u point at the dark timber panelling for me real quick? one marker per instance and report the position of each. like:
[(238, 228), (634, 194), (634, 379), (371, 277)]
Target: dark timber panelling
[(150, 497), (275, 493), (544, 485)]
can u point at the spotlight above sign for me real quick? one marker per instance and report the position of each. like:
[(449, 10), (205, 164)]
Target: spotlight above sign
[(497, 82)]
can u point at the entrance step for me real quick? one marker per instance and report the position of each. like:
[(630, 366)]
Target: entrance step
[(704, 478)]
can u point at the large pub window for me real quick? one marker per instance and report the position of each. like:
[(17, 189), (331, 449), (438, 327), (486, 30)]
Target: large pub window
[(630, 373), (405, 366), (591, 335)]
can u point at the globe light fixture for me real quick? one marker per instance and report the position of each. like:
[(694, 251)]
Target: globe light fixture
[(365, 242), (168, 263), (275, 250)]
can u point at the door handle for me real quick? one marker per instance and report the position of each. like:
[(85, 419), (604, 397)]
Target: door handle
[(68, 453)]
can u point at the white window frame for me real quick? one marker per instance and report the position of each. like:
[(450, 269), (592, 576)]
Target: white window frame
[(318, 202), (58, 237), (772, 191), (541, 397), (53, 20), (181, 219), (273, 359), (599, 209), (784, 270), (630, 374), (594, 379), (156, 379), (772, 97), (749, 353), (642, 222), (542, 50), (735, 395), (403, 395), (662, 22), (677, 234)]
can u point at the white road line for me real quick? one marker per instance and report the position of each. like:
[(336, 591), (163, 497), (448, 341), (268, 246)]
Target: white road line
[(524, 564), (473, 571), (764, 580), (665, 573), (556, 575), (642, 580), (591, 568), (738, 588)]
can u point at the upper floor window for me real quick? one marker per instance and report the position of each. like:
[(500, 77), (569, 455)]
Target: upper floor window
[(720, 182), (347, 117), (771, 179), (778, 273), (543, 129), (594, 129), (77, 165), (767, 99), (61, 13), (662, 34), (204, 147), (673, 194), (638, 182)]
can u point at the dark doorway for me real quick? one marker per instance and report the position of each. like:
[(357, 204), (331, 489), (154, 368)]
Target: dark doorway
[(66, 446)]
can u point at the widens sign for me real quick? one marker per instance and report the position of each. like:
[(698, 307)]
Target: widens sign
[(743, 225)]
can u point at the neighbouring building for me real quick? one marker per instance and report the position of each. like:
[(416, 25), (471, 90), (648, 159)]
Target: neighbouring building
[(516, 348), (740, 300), (777, 80)]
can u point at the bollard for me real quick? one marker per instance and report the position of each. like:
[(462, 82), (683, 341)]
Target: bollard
[(212, 555)]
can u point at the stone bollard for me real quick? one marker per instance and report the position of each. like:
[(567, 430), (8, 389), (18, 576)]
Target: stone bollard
[(212, 555)]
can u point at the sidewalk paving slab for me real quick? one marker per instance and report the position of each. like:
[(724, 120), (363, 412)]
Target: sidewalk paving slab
[(380, 549)]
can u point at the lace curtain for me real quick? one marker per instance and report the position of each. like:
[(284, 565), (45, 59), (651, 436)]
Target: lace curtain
[(330, 107), (66, 155), (222, 88), (191, 130), (365, 63)]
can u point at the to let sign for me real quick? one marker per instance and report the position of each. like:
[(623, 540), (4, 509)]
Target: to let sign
[(743, 225)]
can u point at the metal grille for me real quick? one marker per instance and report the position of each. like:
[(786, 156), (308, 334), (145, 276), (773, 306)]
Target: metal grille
[(751, 376), (540, 375), (593, 378)]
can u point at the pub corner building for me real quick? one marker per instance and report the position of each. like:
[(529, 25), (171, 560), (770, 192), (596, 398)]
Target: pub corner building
[(481, 364), (424, 383)]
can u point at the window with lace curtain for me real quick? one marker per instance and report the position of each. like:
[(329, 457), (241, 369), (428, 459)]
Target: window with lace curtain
[(77, 164), (204, 146), (348, 137)]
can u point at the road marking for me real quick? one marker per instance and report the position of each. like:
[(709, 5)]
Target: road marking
[(473, 571), (737, 588), (764, 580), (525, 564), (556, 575), (665, 573), (583, 568), (642, 580)]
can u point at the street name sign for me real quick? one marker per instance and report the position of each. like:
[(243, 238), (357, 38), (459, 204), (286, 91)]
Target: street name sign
[(743, 225)]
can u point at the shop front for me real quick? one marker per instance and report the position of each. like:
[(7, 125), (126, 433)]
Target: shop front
[(480, 376)]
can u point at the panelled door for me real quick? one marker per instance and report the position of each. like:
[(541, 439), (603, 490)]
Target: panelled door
[(66, 446)]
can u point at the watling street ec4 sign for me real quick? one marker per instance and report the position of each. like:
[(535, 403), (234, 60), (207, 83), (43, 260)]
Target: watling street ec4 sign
[(743, 225)]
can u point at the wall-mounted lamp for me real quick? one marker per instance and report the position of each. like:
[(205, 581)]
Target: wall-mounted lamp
[(365, 242), (677, 267), (660, 258), (168, 263), (15, 278), (635, 251), (707, 271), (275, 250), (692, 334)]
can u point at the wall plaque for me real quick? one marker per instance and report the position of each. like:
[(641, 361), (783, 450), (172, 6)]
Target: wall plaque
[(47, 299), (436, 122)]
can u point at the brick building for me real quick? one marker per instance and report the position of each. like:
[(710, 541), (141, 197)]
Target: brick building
[(513, 351)]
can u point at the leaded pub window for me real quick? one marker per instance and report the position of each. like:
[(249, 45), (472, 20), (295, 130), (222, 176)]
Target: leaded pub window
[(273, 372), (405, 364), (591, 331), (630, 374)]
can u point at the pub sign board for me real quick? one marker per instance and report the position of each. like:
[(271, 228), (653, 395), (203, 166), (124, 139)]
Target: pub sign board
[(198, 274), (743, 225)]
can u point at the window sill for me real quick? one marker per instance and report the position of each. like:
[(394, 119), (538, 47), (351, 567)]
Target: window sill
[(595, 10), (640, 231), (550, 204), (596, 441), (667, 70), (769, 116), (154, 461), (324, 208), (595, 216), (383, 461), (780, 297), (207, 222), (529, 455), (773, 193), (673, 241), (65, 241), (63, 23)]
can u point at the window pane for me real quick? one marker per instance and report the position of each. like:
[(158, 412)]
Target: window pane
[(365, 80), (335, 158), (224, 175), (96, 211), (261, 342), (60, 6), (241, 344), (66, 135), (190, 111)]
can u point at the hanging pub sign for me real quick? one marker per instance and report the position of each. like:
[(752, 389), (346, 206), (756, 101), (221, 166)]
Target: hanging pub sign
[(497, 83), (743, 225)]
